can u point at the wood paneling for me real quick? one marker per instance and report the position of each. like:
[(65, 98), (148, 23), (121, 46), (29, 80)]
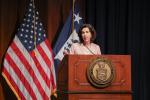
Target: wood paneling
[(73, 82)]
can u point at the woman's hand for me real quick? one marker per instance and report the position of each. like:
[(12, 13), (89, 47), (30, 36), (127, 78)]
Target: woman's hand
[(65, 52)]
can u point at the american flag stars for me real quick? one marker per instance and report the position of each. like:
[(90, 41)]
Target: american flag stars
[(33, 28)]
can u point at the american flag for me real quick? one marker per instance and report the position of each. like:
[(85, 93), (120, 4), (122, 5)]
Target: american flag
[(28, 64)]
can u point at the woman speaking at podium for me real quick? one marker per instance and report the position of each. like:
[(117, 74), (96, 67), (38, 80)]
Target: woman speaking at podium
[(86, 34)]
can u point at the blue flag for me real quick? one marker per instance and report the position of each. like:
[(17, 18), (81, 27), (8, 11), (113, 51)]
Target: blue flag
[(67, 36)]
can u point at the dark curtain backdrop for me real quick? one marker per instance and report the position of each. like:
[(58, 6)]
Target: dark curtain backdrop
[(123, 27)]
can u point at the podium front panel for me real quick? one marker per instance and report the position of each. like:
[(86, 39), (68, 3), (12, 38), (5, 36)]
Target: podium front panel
[(72, 76)]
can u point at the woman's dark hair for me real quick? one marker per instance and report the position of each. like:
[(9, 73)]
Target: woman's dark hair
[(91, 29)]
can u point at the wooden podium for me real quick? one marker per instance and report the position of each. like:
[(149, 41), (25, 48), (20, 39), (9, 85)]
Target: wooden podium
[(73, 84)]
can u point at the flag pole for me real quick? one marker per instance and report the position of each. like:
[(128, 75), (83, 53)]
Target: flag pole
[(34, 25), (73, 2), (34, 31)]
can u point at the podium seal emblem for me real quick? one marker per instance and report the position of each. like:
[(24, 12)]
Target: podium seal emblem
[(100, 72)]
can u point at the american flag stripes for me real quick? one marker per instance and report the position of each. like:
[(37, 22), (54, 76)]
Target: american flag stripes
[(28, 64)]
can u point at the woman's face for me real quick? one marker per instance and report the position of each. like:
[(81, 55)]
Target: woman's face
[(86, 35)]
